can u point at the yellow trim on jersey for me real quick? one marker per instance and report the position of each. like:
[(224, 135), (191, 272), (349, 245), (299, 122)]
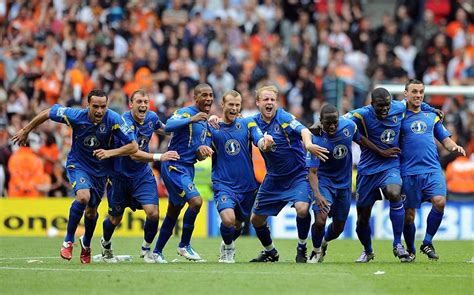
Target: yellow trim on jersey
[(284, 125), (71, 166), (133, 126), (109, 181), (182, 194), (73, 184), (190, 134), (172, 168), (67, 120), (116, 126), (286, 135), (358, 116), (437, 119), (251, 124)]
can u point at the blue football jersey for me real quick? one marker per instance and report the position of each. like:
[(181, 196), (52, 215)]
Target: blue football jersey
[(337, 170), (287, 155), (419, 151), (186, 137), (143, 132), (87, 136), (232, 165), (383, 133)]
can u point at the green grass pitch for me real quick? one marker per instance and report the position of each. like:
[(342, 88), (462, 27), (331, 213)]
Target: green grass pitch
[(33, 266)]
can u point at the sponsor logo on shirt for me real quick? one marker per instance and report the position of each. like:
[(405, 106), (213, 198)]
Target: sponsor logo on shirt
[(388, 136), (339, 151), (91, 141), (418, 127), (232, 147)]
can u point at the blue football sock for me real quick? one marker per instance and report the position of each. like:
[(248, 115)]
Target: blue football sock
[(409, 231), (397, 216), (432, 225), (75, 214), (89, 225), (188, 226), (317, 236), (150, 229), (263, 234), (237, 234), (108, 229), (165, 233), (363, 232), (330, 234), (227, 234), (303, 225)]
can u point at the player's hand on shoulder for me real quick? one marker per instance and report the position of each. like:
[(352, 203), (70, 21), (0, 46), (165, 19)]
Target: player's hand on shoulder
[(101, 154), (317, 151), (214, 121), (169, 156), (390, 153), (316, 129), (201, 116), (440, 114)]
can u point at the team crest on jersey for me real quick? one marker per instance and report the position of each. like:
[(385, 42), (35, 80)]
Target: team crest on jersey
[(394, 119), (388, 136), (418, 127), (339, 151), (256, 204), (238, 126), (102, 128), (276, 128), (223, 199), (232, 147), (150, 124), (91, 141), (191, 186), (60, 111), (142, 142), (82, 180), (346, 132)]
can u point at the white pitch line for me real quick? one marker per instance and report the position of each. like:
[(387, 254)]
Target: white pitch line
[(26, 258), (163, 270)]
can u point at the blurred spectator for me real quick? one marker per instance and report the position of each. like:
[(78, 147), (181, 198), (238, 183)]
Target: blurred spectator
[(460, 179), (27, 176)]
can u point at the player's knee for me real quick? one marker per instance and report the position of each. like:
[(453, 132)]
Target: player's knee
[(153, 216), (228, 222), (393, 194), (90, 213), (257, 220), (318, 225), (237, 225), (439, 203), (83, 196), (302, 209), (195, 203), (115, 220)]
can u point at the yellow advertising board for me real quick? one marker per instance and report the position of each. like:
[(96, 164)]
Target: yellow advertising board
[(43, 217)]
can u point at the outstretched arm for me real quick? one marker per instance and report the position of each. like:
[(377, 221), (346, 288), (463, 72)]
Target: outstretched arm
[(142, 156), (125, 150), (314, 183), (22, 135)]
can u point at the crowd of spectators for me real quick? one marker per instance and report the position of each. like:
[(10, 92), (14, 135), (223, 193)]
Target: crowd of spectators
[(56, 51)]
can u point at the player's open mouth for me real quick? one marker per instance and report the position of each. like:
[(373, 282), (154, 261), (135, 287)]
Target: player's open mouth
[(269, 108), (142, 111)]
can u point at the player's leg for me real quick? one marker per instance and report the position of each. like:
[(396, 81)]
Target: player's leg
[(339, 211), (270, 254), (90, 216), (364, 233), (166, 230), (366, 185), (303, 224), (227, 229), (184, 247), (317, 234), (435, 191), (412, 200), (81, 186)]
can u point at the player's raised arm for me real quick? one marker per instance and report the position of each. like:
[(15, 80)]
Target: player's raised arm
[(22, 135), (387, 153), (156, 157)]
